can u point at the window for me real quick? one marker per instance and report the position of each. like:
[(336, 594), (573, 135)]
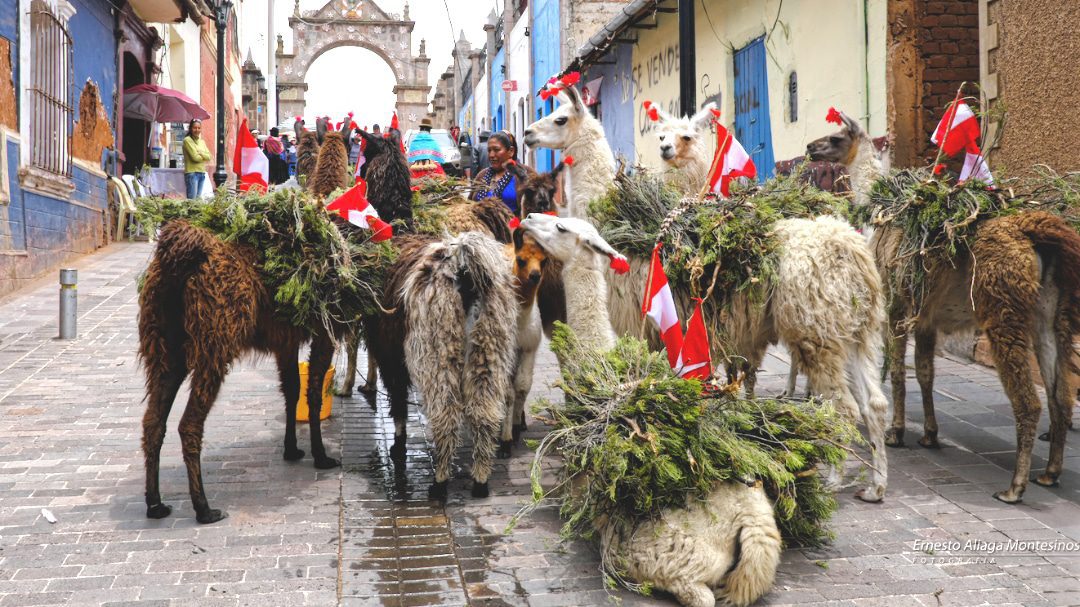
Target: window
[(51, 92)]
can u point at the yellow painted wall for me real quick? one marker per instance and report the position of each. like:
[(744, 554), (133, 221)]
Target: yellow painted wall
[(824, 41)]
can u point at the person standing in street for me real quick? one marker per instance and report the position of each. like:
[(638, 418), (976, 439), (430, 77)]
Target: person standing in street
[(480, 153), (196, 155)]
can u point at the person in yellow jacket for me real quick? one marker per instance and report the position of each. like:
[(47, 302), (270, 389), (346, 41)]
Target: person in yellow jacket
[(196, 155)]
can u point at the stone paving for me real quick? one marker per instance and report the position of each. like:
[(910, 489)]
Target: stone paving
[(70, 433)]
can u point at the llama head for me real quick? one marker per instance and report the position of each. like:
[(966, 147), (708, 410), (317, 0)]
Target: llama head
[(377, 145), (682, 140), (529, 260), (567, 238), (321, 126), (562, 127), (540, 192), (840, 146)]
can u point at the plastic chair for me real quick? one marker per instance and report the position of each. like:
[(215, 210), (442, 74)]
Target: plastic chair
[(125, 205)]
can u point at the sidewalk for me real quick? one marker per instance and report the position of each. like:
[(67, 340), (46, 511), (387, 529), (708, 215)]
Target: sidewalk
[(70, 430)]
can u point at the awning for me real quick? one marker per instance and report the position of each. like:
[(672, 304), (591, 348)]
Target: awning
[(591, 91), (170, 11)]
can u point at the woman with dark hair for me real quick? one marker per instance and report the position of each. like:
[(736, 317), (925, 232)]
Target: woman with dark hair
[(502, 179), (196, 155)]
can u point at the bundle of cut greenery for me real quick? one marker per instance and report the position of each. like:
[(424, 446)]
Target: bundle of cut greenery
[(637, 439), (938, 219), (721, 244), (321, 270), (431, 199)]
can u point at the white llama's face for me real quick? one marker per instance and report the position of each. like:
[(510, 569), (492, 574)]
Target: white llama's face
[(682, 140), (560, 128), (564, 238)]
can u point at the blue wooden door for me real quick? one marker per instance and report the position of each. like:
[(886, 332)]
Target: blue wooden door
[(752, 127)]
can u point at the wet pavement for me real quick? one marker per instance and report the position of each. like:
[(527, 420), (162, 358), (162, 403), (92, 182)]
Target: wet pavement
[(70, 417)]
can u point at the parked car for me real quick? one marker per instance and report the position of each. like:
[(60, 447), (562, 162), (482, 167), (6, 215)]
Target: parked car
[(451, 155)]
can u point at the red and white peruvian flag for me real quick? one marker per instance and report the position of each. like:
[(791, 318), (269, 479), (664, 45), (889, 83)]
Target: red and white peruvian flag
[(975, 167), (249, 162), (958, 130), (659, 305), (695, 360), (731, 162), (360, 160), (355, 208)]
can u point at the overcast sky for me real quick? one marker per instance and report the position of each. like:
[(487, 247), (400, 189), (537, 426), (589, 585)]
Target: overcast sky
[(355, 79)]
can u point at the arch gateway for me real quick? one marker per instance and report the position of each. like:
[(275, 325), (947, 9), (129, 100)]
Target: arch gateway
[(354, 23)]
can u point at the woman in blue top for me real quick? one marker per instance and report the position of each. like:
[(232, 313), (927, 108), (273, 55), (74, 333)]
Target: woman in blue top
[(498, 181)]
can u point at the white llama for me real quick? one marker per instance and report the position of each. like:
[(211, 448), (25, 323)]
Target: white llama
[(726, 547), (684, 149)]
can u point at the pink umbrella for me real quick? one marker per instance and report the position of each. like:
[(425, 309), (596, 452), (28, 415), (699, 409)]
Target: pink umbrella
[(159, 104)]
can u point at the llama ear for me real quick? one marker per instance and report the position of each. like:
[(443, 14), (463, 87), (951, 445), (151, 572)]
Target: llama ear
[(320, 129), (519, 239), (662, 114), (704, 116), (571, 95), (852, 125)]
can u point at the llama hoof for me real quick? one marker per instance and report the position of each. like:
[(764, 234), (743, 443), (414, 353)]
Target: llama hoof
[(397, 450), (1007, 496), (870, 496), (367, 389), (210, 516), (437, 491), (480, 490), (158, 511), (291, 455), (894, 438), (1045, 437), (1045, 480), (930, 441), (504, 450), (325, 463), (344, 391)]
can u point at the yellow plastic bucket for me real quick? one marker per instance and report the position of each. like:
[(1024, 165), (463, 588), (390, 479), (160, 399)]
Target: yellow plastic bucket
[(302, 412)]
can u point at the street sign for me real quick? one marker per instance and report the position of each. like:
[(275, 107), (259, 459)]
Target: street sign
[(509, 85)]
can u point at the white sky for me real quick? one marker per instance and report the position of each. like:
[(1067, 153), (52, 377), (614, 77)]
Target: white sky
[(355, 79)]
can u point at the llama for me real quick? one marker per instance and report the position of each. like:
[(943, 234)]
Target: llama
[(572, 129), (307, 153), (451, 328), (541, 193), (331, 169), (1024, 293), (528, 261), (202, 306), (683, 148), (389, 186), (726, 547)]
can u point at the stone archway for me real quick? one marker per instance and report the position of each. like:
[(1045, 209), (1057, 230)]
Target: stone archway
[(358, 23)]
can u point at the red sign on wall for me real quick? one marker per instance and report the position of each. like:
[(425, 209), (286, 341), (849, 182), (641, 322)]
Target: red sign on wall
[(509, 85)]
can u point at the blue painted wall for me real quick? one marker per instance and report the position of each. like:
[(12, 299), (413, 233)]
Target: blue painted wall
[(546, 36), (49, 229), (617, 100), (498, 97)]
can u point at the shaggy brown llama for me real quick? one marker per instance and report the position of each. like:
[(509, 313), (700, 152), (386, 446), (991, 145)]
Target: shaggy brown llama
[(332, 168), (202, 306), (1020, 284), (307, 154)]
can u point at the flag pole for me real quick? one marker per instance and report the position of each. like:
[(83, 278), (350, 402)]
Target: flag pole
[(714, 167), (648, 285)]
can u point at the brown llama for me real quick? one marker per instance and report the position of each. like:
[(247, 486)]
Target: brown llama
[(202, 306), (542, 193), (307, 153), (332, 168), (1020, 285)]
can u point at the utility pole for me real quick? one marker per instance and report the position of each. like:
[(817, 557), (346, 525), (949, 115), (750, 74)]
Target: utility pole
[(221, 21), (271, 69), (687, 59)]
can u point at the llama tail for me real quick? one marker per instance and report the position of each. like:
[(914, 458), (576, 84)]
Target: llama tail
[(181, 249), (758, 556), (1052, 234)]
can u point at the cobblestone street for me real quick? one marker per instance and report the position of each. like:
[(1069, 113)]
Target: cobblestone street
[(70, 430)]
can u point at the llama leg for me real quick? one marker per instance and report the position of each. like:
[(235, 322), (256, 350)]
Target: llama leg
[(825, 371), (205, 383), (1054, 350), (483, 416), (925, 343), (792, 378), (322, 351), (370, 386), (874, 408), (289, 377), (352, 344), (506, 435), (896, 345), (444, 418), (1011, 359), (162, 393), (692, 594), (522, 386)]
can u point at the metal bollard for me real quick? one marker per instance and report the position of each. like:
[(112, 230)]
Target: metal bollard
[(69, 303)]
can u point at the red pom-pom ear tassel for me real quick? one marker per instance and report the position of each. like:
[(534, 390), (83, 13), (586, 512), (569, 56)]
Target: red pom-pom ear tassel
[(834, 117), (651, 111), (514, 223), (619, 263), (568, 161), (715, 113), (571, 79), (939, 169)]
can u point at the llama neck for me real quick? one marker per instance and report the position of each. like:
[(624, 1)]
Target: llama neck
[(586, 302), (593, 170), (863, 170), (690, 175)]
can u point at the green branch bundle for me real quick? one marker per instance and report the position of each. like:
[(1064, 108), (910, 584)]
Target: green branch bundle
[(726, 244), (320, 269), (636, 440), (938, 220)]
